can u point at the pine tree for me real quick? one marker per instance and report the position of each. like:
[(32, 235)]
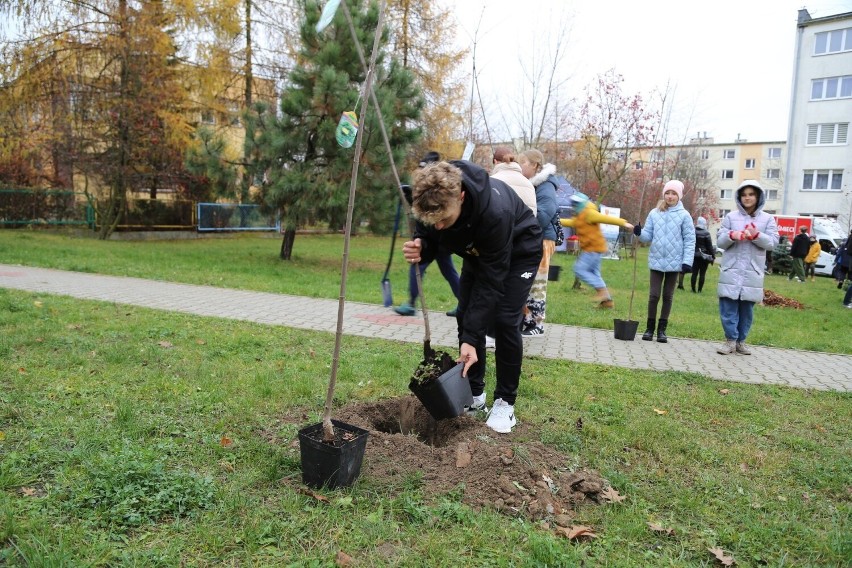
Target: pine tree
[(308, 173)]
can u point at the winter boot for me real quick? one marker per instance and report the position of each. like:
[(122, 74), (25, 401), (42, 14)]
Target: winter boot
[(661, 331), (649, 331)]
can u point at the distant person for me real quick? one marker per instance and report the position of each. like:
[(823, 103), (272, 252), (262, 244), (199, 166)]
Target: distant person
[(669, 230), (745, 236), (705, 254), (506, 168), (586, 222), (842, 260), (798, 252), (547, 213), (812, 258), (482, 220), (443, 257)]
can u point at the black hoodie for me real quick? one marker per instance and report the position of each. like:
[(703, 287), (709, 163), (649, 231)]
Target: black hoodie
[(495, 231)]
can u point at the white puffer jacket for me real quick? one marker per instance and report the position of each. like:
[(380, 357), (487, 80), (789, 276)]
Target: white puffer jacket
[(510, 173)]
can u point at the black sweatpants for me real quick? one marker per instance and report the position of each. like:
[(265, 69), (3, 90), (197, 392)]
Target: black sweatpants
[(699, 270), (508, 342)]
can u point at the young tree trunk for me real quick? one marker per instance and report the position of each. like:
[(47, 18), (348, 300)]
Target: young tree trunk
[(287, 244)]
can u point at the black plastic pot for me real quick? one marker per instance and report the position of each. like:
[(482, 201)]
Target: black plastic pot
[(332, 465), (553, 273), (626, 329), (446, 396)]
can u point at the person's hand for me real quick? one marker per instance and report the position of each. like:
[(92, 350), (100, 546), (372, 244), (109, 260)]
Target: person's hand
[(467, 355), (411, 251), (685, 268), (736, 235), (637, 229), (750, 232), (629, 227)]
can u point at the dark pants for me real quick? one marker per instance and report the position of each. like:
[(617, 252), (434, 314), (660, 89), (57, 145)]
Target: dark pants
[(798, 269), (448, 270), (699, 270), (657, 279), (507, 316)]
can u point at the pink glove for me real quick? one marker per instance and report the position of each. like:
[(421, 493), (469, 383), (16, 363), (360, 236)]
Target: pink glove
[(750, 232), (736, 235)]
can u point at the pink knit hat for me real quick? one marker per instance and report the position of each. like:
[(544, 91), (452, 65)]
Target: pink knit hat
[(675, 186)]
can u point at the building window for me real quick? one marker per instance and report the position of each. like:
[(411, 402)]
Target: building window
[(831, 88), (657, 156), (705, 154), (727, 174), (833, 41), (207, 117), (726, 193), (822, 180), (774, 153), (702, 174), (728, 154), (723, 212), (773, 173), (771, 194), (827, 134), (637, 164), (749, 164)]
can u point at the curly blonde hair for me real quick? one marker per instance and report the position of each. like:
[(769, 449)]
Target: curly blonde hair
[(436, 186)]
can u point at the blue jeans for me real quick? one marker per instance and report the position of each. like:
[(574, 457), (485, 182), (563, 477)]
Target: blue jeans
[(448, 270), (736, 316), (588, 269), (847, 299)]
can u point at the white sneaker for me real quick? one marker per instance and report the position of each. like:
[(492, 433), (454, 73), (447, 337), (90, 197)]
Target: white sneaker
[(489, 342), (477, 406), (502, 417)]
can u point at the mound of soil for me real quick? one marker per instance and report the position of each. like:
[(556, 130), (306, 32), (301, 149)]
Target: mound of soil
[(514, 474), (770, 298)]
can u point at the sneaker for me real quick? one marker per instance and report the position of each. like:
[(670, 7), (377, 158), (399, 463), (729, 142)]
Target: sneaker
[(729, 347), (477, 406), (849, 305), (452, 313), (533, 332), (489, 342), (405, 309), (742, 349), (502, 417)]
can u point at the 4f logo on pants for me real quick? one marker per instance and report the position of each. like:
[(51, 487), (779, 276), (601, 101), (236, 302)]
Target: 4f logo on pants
[(527, 275)]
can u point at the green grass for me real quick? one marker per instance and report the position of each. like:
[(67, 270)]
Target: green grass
[(251, 262), (111, 420)]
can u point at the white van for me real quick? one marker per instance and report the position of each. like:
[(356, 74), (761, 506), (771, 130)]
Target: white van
[(830, 235)]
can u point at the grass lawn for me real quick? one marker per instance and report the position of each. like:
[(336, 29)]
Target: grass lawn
[(131, 437), (251, 262)]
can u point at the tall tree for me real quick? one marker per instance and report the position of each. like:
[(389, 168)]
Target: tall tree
[(308, 173)]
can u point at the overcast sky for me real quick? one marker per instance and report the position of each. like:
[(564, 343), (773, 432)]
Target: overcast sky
[(730, 62)]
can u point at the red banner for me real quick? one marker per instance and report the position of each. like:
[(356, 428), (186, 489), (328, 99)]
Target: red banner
[(789, 226)]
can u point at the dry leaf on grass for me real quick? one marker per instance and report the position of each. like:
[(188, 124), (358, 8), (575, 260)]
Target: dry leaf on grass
[(226, 442), (309, 493), (28, 491), (576, 532), (165, 344), (724, 391), (720, 556), (342, 559), (661, 529), (612, 495), (661, 412)]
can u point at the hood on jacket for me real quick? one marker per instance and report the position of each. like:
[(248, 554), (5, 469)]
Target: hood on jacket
[(761, 195), (701, 223), (547, 170)]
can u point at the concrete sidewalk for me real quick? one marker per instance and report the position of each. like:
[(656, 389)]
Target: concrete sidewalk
[(804, 369)]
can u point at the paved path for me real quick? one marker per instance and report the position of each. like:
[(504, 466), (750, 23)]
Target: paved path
[(824, 371)]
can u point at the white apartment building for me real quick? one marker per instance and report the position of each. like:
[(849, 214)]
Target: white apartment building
[(818, 174)]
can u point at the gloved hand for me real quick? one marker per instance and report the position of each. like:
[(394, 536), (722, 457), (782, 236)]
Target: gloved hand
[(736, 235), (637, 229), (686, 268), (750, 232)]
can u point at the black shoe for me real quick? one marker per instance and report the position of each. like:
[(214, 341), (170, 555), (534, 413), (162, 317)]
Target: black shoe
[(681, 288), (661, 331), (649, 331)]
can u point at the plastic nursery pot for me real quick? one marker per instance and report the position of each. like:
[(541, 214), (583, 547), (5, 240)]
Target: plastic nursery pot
[(332, 465), (626, 329), (446, 396), (553, 273)]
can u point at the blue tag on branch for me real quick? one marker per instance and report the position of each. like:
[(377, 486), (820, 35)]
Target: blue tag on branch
[(327, 14), (347, 129)]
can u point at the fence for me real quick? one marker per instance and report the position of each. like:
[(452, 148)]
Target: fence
[(233, 217), (20, 207)]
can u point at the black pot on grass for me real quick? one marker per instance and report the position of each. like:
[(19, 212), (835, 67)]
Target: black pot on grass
[(332, 464), (626, 329), (553, 273), (446, 396)]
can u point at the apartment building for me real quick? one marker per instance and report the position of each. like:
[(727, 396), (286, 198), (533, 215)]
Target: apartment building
[(819, 160)]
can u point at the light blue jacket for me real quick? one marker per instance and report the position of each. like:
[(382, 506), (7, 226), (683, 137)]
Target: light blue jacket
[(741, 276), (672, 238)]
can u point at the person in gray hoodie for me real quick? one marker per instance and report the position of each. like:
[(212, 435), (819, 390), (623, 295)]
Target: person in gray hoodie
[(745, 236)]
